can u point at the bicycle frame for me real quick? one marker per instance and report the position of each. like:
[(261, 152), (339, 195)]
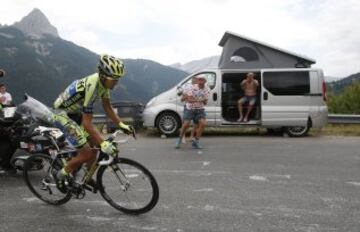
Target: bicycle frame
[(63, 155)]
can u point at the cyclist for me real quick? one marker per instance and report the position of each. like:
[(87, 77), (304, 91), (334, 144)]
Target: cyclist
[(78, 101)]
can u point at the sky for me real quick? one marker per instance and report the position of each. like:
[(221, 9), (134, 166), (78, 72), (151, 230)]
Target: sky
[(173, 31)]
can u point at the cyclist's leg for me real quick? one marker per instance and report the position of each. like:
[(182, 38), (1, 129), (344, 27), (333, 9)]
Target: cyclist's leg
[(92, 157), (84, 155), (77, 138)]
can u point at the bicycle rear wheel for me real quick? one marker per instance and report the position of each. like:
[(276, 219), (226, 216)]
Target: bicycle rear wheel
[(39, 171), (128, 186)]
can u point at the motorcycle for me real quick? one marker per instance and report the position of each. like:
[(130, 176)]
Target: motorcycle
[(23, 134)]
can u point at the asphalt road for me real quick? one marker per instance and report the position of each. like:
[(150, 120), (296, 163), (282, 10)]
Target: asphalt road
[(236, 183)]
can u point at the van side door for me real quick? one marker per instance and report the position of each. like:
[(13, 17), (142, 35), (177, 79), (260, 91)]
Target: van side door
[(212, 107), (285, 97)]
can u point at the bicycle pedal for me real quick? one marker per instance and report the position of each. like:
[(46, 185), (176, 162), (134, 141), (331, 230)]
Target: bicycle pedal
[(78, 193), (90, 188)]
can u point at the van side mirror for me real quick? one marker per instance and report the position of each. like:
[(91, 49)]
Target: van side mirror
[(2, 73), (179, 90)]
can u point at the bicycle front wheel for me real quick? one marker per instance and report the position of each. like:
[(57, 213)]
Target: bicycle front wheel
[(128, 186), (39, 171)]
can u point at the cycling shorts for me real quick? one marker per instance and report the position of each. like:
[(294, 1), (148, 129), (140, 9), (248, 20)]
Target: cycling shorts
[(74, 133)]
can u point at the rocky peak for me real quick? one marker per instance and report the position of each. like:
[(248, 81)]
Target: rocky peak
[(36, 24)]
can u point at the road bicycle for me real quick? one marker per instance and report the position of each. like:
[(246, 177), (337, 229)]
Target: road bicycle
[(123, 183)]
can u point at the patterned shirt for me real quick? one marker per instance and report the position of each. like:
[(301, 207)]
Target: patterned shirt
[(199, 94), (81, 95)]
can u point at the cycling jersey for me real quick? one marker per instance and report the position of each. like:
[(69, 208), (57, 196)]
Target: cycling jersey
[(81, 95)]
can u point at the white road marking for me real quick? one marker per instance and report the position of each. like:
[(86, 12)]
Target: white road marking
[(279, 176), (98, 218), (31, 199), (86, 202), (216, 208), (258, 178), (206, 163), (204, 190), (267, 177), (189, 172), (209, 207), (353, 183), (147, 228)]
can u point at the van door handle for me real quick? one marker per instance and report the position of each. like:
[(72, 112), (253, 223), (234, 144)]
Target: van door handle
[(215, 96), (266, 96)]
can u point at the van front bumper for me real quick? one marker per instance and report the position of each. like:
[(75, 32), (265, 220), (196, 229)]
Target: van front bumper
[(149, 116)]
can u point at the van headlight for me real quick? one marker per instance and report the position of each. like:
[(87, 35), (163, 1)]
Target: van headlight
[(151, 102)]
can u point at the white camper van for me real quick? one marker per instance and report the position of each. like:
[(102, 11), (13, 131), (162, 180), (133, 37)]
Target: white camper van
[(291, 99), (291, 95)]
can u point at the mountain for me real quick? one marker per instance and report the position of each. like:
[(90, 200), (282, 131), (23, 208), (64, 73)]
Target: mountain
[(36, 24), (37, 61), (338, 87), (197, 65), (331, 78)]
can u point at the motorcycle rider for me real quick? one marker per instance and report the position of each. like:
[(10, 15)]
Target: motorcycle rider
[(77, 101)]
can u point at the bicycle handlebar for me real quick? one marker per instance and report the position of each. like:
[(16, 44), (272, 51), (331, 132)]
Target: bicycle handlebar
[(111, 138), (117, 132)]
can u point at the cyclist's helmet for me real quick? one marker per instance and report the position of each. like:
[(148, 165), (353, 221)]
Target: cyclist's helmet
[(111, 66)]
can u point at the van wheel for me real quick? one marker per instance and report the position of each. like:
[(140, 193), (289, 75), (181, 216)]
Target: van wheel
[(168, 123), (297, 131)]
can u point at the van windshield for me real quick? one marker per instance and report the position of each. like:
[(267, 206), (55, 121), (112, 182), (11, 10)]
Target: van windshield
[(210, 80)]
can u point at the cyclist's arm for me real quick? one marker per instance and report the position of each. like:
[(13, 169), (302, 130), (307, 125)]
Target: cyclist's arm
[(90, 128), (110, 111)]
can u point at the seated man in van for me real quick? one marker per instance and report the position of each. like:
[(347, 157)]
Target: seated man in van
[(249, 85), (195, 98)]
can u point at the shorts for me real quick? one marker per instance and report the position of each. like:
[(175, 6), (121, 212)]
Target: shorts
[(194, 114), (250, 99), (74, 133)]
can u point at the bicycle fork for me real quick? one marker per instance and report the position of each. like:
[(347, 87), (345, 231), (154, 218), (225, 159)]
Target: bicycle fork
[(125, 184)]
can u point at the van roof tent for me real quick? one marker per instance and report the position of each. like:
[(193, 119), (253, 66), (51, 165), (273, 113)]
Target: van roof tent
[(245, 53)]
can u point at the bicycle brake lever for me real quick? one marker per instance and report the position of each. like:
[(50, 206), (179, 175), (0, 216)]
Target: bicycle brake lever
[(106, 162), (133, 132)]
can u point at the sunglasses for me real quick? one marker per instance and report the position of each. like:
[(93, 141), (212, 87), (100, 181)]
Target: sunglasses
[(110, 78)]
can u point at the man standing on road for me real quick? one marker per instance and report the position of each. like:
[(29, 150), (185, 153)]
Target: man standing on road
[(195, 98), (194, 81)]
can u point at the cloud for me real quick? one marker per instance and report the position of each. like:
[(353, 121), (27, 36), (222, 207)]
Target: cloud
[(180, 31)]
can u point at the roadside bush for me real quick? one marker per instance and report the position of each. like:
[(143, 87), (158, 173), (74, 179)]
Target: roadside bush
[(347, 102)]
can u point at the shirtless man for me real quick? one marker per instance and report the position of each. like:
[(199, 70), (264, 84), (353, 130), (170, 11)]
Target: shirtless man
[(249, 85)]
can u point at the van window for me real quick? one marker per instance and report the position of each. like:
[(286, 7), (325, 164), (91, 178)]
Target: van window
[(244, 54), (287, 83), (210, 82)]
